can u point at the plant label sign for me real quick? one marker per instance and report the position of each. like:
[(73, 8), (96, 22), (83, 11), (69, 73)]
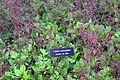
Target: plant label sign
[(61, 52)]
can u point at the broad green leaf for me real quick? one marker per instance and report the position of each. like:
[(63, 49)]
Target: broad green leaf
[(37, 17), (106, 71), (71, 60), (37, 34), (117, 56), (24, 54), (10, 74), (17, 72), (46, 17), (22, 68), (107, 29), (43, 51), (11, 61), (13, 54), (50, 69), (117, 34), (36, 69), (43, 24), (66, 64), (52, 77), (25, 75), (5, 35), (69, 77), (107, 78), (37, 24), (92, 78), (23, 57), (29, 47), (1, 42), (63, 72), (7, 55), (57, 37), (92, 27), (49, 26), (81, 62), (52, 1), (90, 20), (40, 77), (76, 67), (56, 72), (61, 78), (40, 63), (48, 62), (117, 45)]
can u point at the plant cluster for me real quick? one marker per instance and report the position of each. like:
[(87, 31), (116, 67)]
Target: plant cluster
[(30, 28)]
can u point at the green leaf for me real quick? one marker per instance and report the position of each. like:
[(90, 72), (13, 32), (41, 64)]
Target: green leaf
[(10, 74), (56, 72), (50, 69), (43, 51), (107, 29), (107, 78), (71, 60), (1, 42), (5, 35), (63, 72), (117, 34), (117, 56), (46, 17), (61, 78), (40, 77), (36, 69), (37, 24), (52, 1), (17, 72), (69, 77), (7, 55), (52, 77), (22, 68), (24, 54), (37, 34), (43, 24), (29, 47), (37, 17), (92, 27), (106, 71), (11, 61), (90, 20), (117, 45), (49, 26), (13, 54), (25, 75)]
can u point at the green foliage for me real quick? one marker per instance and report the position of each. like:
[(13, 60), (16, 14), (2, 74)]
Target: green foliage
[(1, 43), (13, 54), (37, 24), (60, 25)]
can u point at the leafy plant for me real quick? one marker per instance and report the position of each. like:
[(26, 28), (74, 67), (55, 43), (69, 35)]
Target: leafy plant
[(30, 28)]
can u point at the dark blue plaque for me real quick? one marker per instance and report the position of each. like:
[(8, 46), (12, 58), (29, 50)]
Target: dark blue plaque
[(61, 52)]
